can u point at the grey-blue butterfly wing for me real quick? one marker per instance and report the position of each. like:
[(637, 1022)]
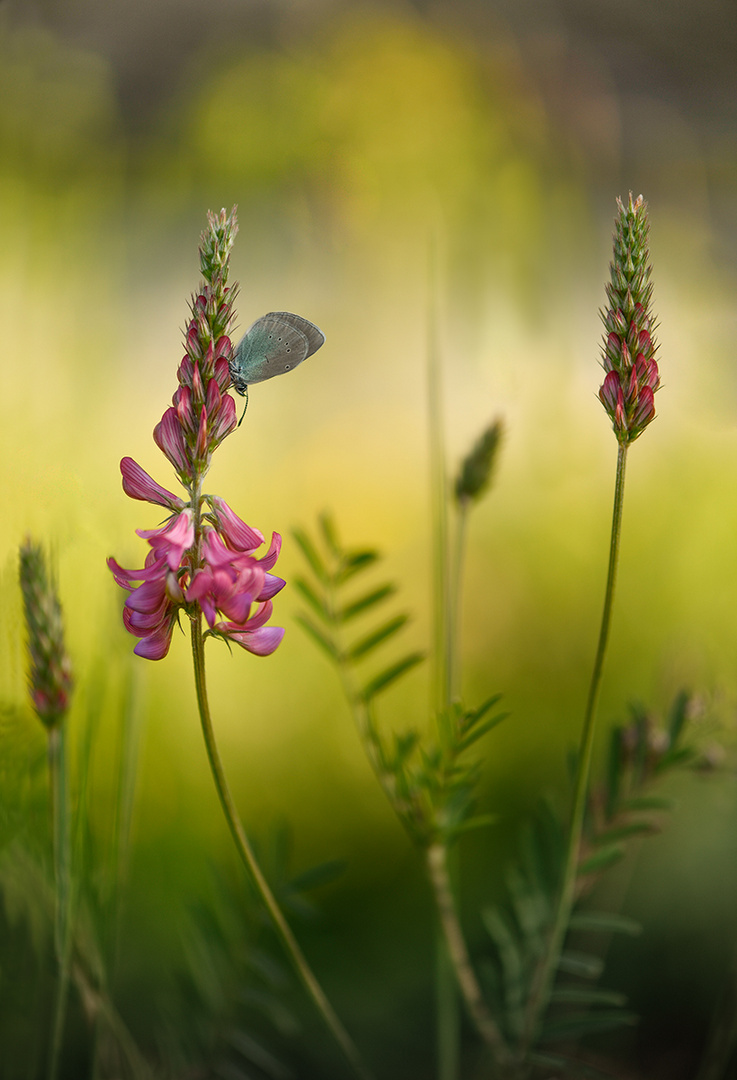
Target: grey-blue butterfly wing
[(276, 343)]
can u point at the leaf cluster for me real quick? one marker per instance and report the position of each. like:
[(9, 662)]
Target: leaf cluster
[(233, 996), (620, 808), (427, 777)]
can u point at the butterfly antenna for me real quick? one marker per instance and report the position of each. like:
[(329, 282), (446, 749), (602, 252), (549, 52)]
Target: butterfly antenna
[(245, 395)]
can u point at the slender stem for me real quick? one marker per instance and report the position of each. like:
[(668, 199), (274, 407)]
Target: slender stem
[(455, 590), (437, 864), (246, 853), (448, 1028), (439, 501), (62, 887), (543, 981)]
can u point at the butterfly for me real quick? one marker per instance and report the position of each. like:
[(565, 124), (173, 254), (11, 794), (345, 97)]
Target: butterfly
[(276, 343)]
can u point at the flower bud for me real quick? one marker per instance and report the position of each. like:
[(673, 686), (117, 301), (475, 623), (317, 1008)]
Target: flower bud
[(477, 467), (50, 676)]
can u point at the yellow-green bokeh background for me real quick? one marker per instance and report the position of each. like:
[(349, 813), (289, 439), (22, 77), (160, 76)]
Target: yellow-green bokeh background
[(349, 136)]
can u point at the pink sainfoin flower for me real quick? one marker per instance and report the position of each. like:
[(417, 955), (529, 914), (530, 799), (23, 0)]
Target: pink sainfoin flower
[(202, 560), (628, 350), (50, 675)]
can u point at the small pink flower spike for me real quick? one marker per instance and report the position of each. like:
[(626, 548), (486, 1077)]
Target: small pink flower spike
[(628, 350), (50, 676)]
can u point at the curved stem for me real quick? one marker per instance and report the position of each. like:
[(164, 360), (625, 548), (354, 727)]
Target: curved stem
[(543, 982), (246, 853), (437, 863)]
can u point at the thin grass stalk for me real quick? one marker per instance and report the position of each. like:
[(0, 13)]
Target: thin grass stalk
[(545, 975), (245, 850), (59, 784), (456, 592), (448, 1020)]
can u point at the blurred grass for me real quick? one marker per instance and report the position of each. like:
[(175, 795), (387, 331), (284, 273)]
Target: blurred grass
[(343, 157)]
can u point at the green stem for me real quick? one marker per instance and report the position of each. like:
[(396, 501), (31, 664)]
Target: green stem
[(246, 853), (448, 1028), (437, 864), (455, 590), (62, 887), (543, 982)]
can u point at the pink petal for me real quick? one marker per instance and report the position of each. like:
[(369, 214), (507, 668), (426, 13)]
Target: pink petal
[(222, 371), (148, 597), (259, 642), (609, 391), (154, 646), (260, 616), (273, 553), (201, 444), (237, 534), (272, 585), (137, 484), (169, 438)]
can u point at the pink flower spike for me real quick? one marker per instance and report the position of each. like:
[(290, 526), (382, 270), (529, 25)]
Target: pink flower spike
[(237, 534), (137, 484)]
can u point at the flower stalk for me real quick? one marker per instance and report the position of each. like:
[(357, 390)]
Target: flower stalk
[(454, 971), (245, 850), (543, 982), (202, 563), (50, 686), (627, 394)]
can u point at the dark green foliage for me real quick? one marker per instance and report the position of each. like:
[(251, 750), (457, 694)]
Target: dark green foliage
[(233, 996), (619, 810), (426, 777), (568, 1066), (230, 1008)]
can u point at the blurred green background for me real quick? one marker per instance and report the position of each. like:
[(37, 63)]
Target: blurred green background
[(349, 135)]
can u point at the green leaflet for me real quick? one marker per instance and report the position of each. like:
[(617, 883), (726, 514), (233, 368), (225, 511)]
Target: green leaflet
[(430, 788), (572, 1027), (605, 922), (586, 965), (376, 637), (386, 678), (357, 607)]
